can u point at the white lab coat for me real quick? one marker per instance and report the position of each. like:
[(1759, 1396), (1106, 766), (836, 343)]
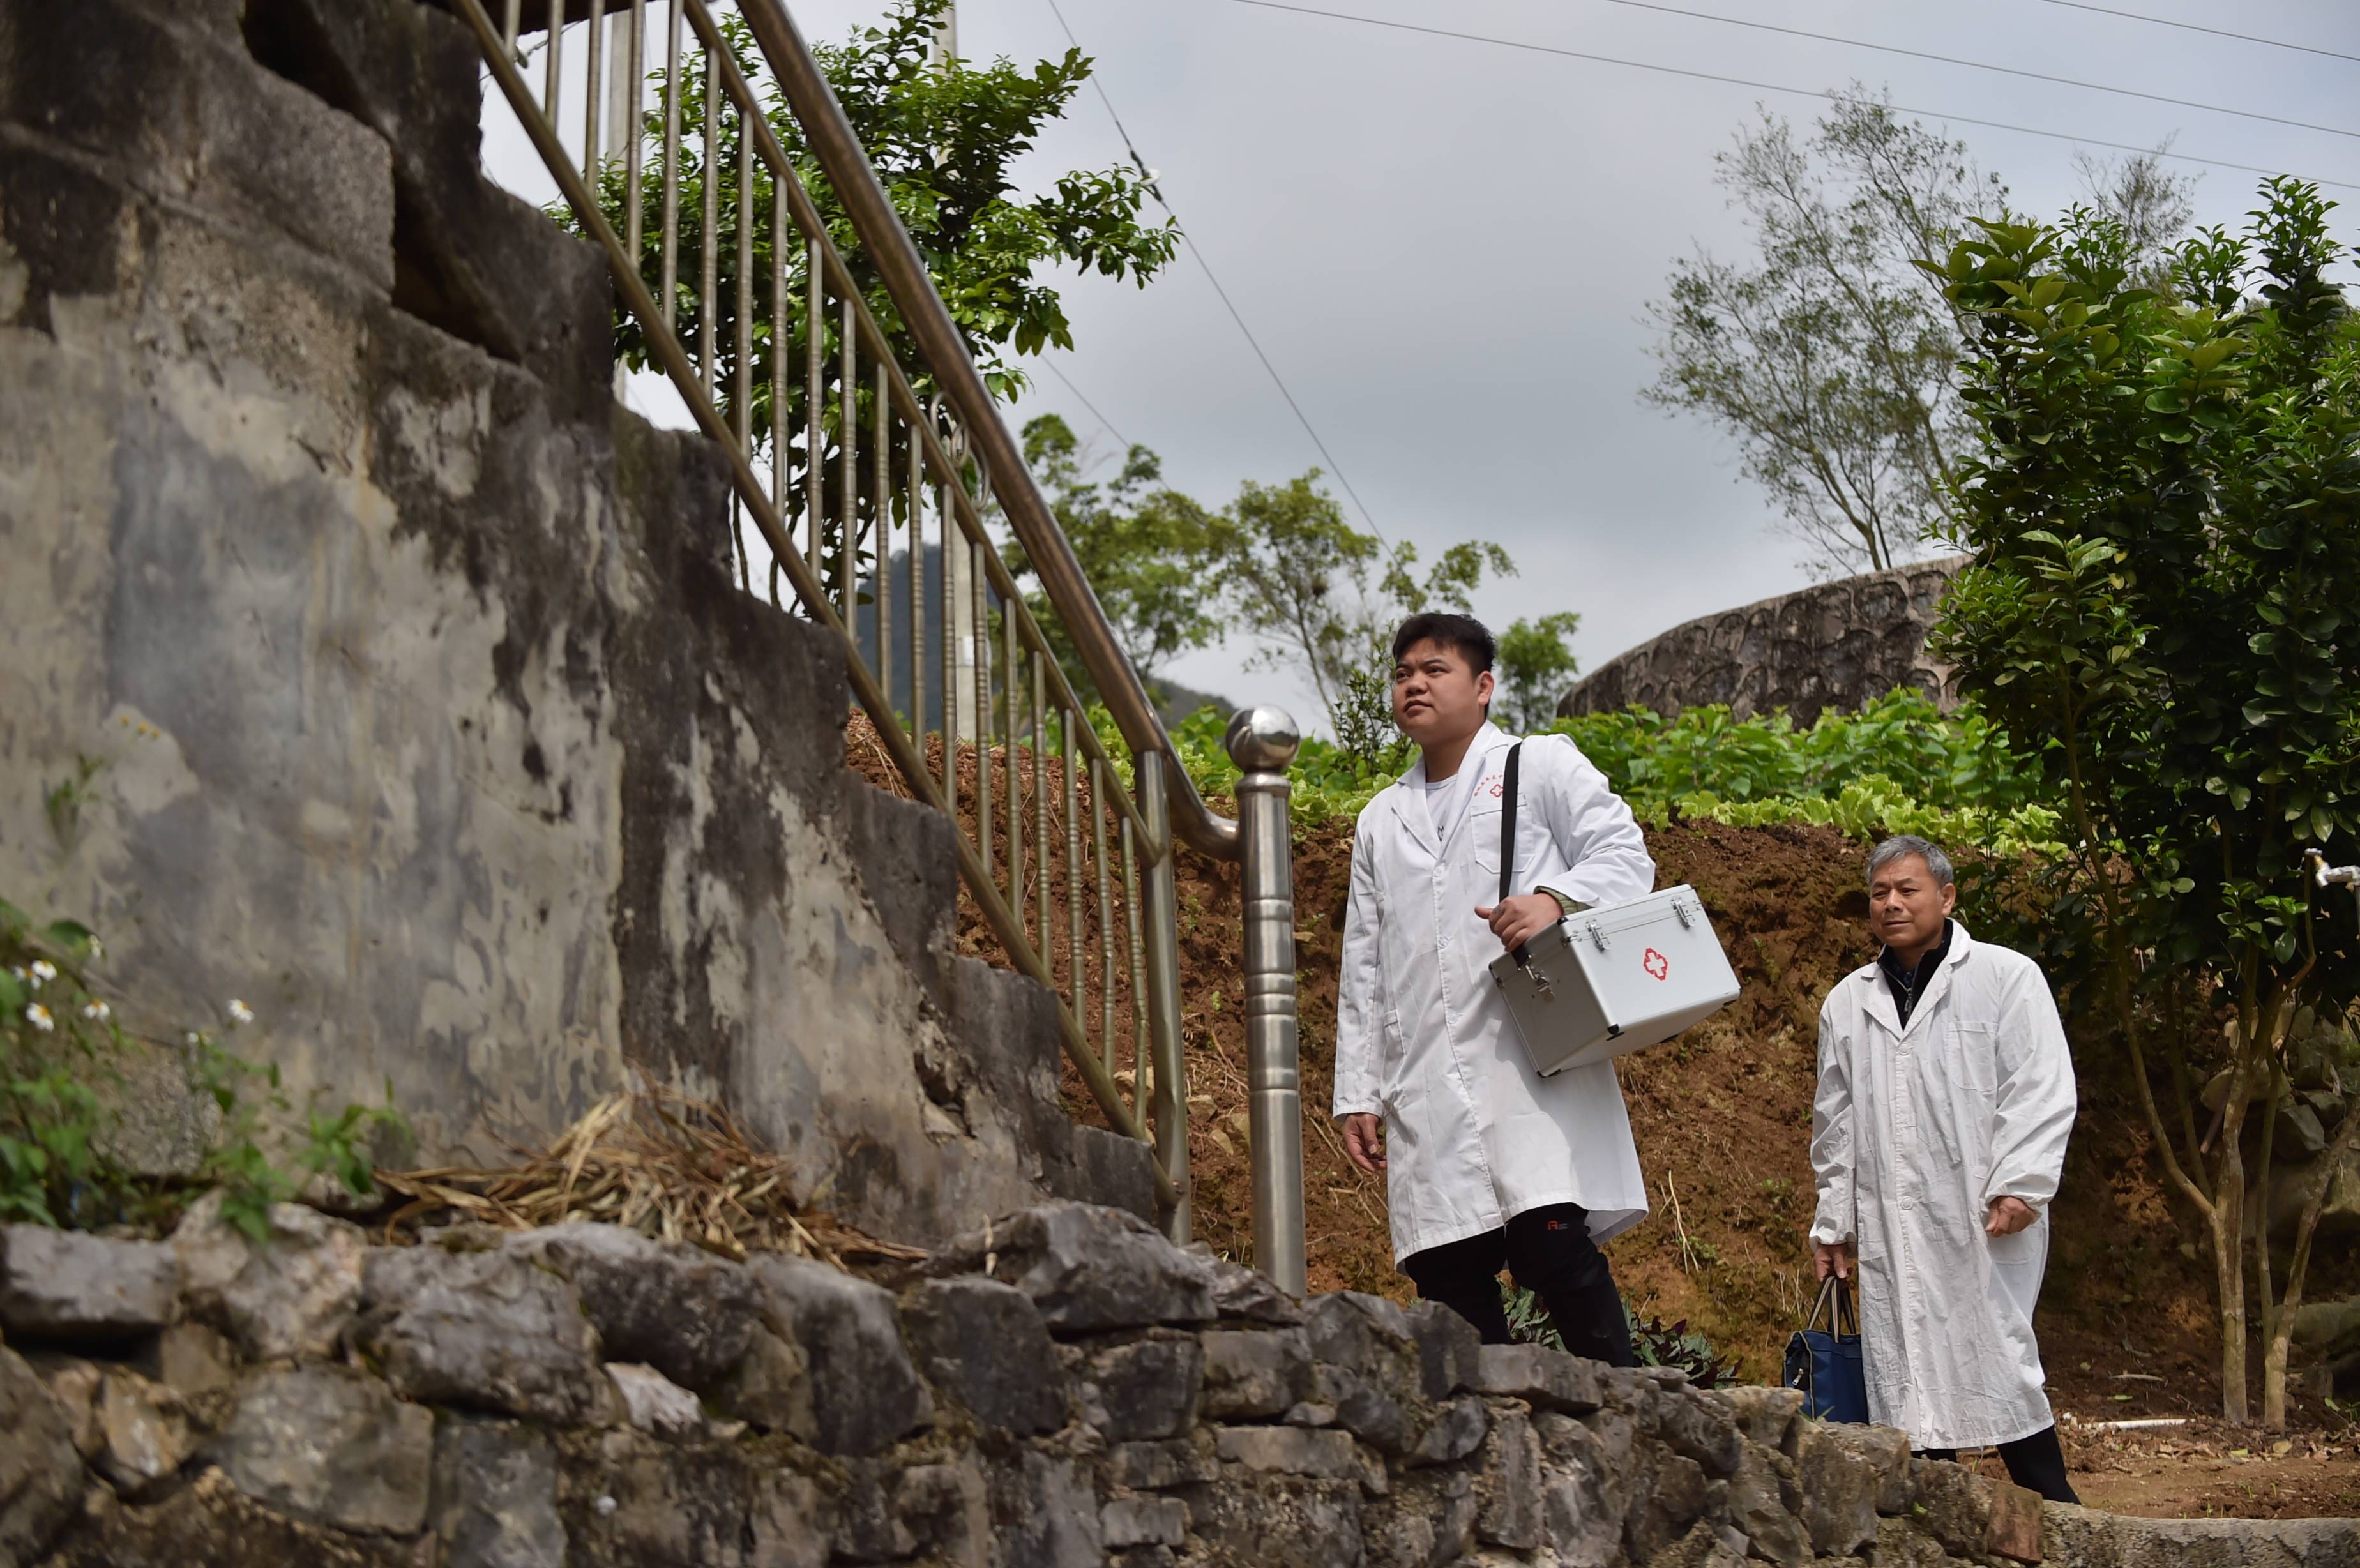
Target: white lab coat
[(1472, 1134), (1913, 1134)]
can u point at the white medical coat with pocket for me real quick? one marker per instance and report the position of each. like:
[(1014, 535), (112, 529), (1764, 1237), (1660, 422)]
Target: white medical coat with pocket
[(1422, 1036), (1914, 1132)]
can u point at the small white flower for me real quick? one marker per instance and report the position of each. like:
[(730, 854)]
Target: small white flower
[(239, 1013), (38, 1016), (98, 948), (43, 970), (96, 1012), (193, 1037)]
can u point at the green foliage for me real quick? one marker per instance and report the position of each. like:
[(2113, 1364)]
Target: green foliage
[(1655, 1343), (1898, 764), (2165, 514), (62, 1050), (1145, 548), (1536, 666)]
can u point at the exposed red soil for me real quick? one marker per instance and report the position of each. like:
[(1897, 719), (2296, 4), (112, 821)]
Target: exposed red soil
[(1722, 1120)]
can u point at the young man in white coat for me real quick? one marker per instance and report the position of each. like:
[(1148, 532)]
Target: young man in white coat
[(1486, 1163), (1946, 1096)]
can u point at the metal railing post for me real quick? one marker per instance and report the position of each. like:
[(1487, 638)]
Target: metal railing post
[(1261, 741), (1168, 1107)]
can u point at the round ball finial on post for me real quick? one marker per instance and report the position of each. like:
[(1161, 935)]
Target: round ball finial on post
[(1262, 739)]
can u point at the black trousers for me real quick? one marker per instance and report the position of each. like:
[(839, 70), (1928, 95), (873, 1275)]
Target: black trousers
[(1551, 1255), (2036, 1462)]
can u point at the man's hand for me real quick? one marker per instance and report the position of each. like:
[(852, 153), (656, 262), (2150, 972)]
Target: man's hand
[(1364, 1140), (2009, 1215), (1516, 920), (1832, 1257)]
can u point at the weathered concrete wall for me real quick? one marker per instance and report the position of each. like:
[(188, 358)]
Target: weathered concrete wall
[(1834, 646), (429, 722), (1065, 1390)]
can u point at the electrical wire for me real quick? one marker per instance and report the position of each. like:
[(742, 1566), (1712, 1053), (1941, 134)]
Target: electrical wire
[(1775, 87), (2197, 28), (1051, 365), (1156, 191), (1983, 65)]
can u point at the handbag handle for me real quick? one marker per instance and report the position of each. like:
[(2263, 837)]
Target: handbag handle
[(1508, 833), (1836, 1303)]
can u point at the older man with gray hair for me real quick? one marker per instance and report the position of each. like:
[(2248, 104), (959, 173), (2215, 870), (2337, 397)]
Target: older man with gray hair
[(1946, 1096)]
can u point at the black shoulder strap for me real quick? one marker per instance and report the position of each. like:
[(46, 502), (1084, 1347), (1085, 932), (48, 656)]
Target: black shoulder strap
[(1508, 820), (1508, 831)]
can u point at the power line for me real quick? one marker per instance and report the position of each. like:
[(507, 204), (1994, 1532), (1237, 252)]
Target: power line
[(1051, 365), (1156, 191), (1775, 87), (2216, 32), (1983, 65)]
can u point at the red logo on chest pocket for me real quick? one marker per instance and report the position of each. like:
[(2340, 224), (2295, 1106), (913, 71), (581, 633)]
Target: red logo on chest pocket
[(1497, 786), (1656, 963)]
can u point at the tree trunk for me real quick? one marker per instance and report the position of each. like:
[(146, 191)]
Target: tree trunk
[(2275, 1355), (2229, 1272)]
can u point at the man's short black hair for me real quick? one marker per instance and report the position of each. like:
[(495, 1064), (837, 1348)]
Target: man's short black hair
[(1469, 637)]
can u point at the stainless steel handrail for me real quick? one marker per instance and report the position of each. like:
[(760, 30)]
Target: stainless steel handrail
[(1165, 807), (889, 248)]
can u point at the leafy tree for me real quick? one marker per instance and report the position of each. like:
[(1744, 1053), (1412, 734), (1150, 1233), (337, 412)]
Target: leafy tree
[(2164, 506), (1535, 661), (943, 140), (1831, 357), (1145, 548), (1322, 598)]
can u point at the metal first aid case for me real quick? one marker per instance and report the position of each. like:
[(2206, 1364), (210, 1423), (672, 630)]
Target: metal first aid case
[(1604, 982)]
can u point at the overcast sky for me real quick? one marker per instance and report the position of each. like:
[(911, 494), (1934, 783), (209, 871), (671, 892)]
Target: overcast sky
[(1447, 247)]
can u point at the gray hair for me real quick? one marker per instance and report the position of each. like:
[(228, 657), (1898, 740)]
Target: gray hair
[(1901, 846)]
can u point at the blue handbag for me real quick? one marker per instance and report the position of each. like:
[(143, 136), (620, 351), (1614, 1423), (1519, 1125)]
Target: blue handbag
[(1824, 1363)]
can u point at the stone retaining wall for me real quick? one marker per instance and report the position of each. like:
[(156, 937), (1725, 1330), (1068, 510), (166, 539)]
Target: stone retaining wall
[(1836, 645), (1062, 1388)]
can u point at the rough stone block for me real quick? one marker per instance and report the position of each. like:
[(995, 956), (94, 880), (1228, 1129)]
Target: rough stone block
[(772, 1387), (865, 1394), (653, 1403), (1455, 1432), (1704, 1546), (1254, 1373), (1050, 1512), (1954, 1504), (1252, 1296), (1295, 1520), (1583, 1531), (1667, 1494), (1143, 1522), (1355, 1330), (2015, 1523), (1544, 1379), (1427, 1522), (495, 1496), (981, 1343), (1151, 1466), (1840, 1489), (40, 1473), (332, 1446), (1145, 1388), (485, 1331), (1765, 1416), (1363, 1407), (1289, 1451), (1764, 1502), (195, 1359), (629, 1500), (75, 1386), (1448, 1349), (1695, 1424), (1511, 1512), (1886, 1453), (293, 1295), (68, 1285), (144, 1432), (1087, 1269), (676, 1308)]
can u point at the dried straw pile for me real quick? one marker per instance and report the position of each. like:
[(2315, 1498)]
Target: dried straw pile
[(651, 1159)]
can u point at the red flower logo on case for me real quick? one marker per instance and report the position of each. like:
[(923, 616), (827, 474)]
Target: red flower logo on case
[(1656, 963)]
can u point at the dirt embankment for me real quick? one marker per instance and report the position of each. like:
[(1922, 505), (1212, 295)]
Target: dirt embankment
[(1722, 1120)]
